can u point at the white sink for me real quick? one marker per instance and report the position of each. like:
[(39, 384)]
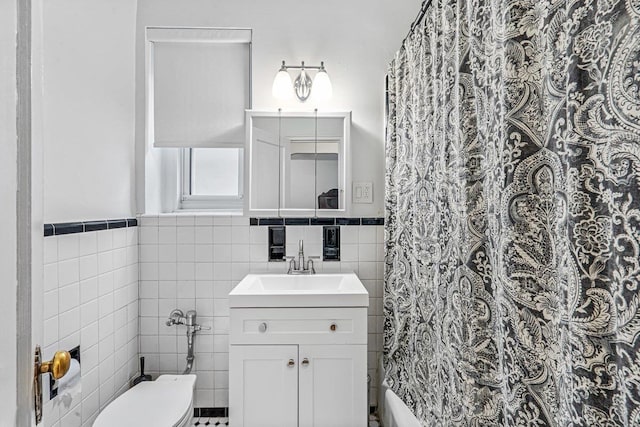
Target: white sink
[(314, 290)]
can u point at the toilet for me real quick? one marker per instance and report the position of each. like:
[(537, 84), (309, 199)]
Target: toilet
[(165, 402)]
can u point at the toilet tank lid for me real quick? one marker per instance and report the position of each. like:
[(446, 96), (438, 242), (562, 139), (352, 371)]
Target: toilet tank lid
[(163, 402)]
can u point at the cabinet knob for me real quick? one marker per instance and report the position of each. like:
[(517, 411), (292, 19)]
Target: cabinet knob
[(291, 363), (262, 327), (333, 327), (305, 362)]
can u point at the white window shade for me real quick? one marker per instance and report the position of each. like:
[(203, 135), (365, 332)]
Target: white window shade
[(200, 83)]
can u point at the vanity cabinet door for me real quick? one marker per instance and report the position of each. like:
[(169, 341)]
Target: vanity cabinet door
[(263, 385), (333, 386)]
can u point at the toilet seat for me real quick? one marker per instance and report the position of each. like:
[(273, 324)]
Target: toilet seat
[(165, 402)]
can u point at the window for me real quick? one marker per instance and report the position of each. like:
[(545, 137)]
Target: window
[(212, 178), (198, 88)]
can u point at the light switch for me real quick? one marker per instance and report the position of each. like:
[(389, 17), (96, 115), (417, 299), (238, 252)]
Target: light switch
[(362, 192)]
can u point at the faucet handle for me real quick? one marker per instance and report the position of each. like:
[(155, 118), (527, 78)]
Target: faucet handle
[(310, 265)]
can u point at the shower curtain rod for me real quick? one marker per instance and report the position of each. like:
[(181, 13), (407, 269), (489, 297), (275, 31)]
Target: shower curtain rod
[(419, 18)]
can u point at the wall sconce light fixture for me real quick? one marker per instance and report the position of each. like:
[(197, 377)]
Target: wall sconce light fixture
[(303, 85)]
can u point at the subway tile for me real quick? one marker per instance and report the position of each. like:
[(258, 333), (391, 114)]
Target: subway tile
[(68, 297), (50, 272), (68, 272), (105, 240), (105, 262), (204, 289), (185, 271), (148, 235), (240, 253), (222, 253), (186, 235), (203, 235), (149, 253), (186, 289), (204, 220), (89, 312), (185, 253), (204, 271), (166, 253), (89, 337), (68, 247), (105, 283), (88, 266), (221, 235), (167, 271), (50, 248), (168, 363), (167, 289), (167, 220), (87, 244), (185, 220), (149, 307), (148, 220), (69, 322), (367, 252), (149, 270), (50, 304), (221, 220), (204, 253), (167, 235), (50, 334), (239, 221), (367, 234)]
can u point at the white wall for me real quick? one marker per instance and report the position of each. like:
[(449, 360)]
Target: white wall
[(8, 211), (355, 38), (88, 109)]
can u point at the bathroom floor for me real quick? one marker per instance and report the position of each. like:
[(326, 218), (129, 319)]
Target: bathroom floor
[(205, 421)]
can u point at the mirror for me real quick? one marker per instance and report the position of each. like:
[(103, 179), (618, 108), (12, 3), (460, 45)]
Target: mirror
[(297, 163)]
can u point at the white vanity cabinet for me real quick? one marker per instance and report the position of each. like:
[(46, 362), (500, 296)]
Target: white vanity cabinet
[(298, 367)]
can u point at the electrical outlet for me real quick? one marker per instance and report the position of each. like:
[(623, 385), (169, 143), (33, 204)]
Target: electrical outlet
[(362, 192)]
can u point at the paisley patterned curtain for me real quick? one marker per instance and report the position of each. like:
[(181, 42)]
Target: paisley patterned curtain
[(512, 282)]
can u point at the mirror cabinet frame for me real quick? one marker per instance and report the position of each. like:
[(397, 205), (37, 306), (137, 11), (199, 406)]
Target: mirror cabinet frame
[(344, 184)]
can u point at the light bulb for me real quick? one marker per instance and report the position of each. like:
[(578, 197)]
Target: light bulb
[(322, 89), (282, 87)]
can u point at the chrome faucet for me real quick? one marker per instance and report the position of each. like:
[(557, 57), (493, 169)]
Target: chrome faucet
[(301, 267), (177, 317)]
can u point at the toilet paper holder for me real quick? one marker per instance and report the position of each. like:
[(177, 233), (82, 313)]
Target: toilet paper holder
[(58, 367)]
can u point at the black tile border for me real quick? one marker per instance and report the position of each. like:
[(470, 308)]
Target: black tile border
[(87, 226), (316, 221), (372, 221), (267, 221), (296, 221), (347, 221), (211, 412)]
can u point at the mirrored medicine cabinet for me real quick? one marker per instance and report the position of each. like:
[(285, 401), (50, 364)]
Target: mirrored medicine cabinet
[(298, 163)]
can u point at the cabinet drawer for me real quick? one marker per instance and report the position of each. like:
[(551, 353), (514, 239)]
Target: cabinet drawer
[(298, 326)]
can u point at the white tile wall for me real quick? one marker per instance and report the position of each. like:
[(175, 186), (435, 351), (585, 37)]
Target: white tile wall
[(91, 300), (192, 262)]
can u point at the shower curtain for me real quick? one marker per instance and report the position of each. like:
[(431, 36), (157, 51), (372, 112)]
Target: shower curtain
[(512, 276)]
